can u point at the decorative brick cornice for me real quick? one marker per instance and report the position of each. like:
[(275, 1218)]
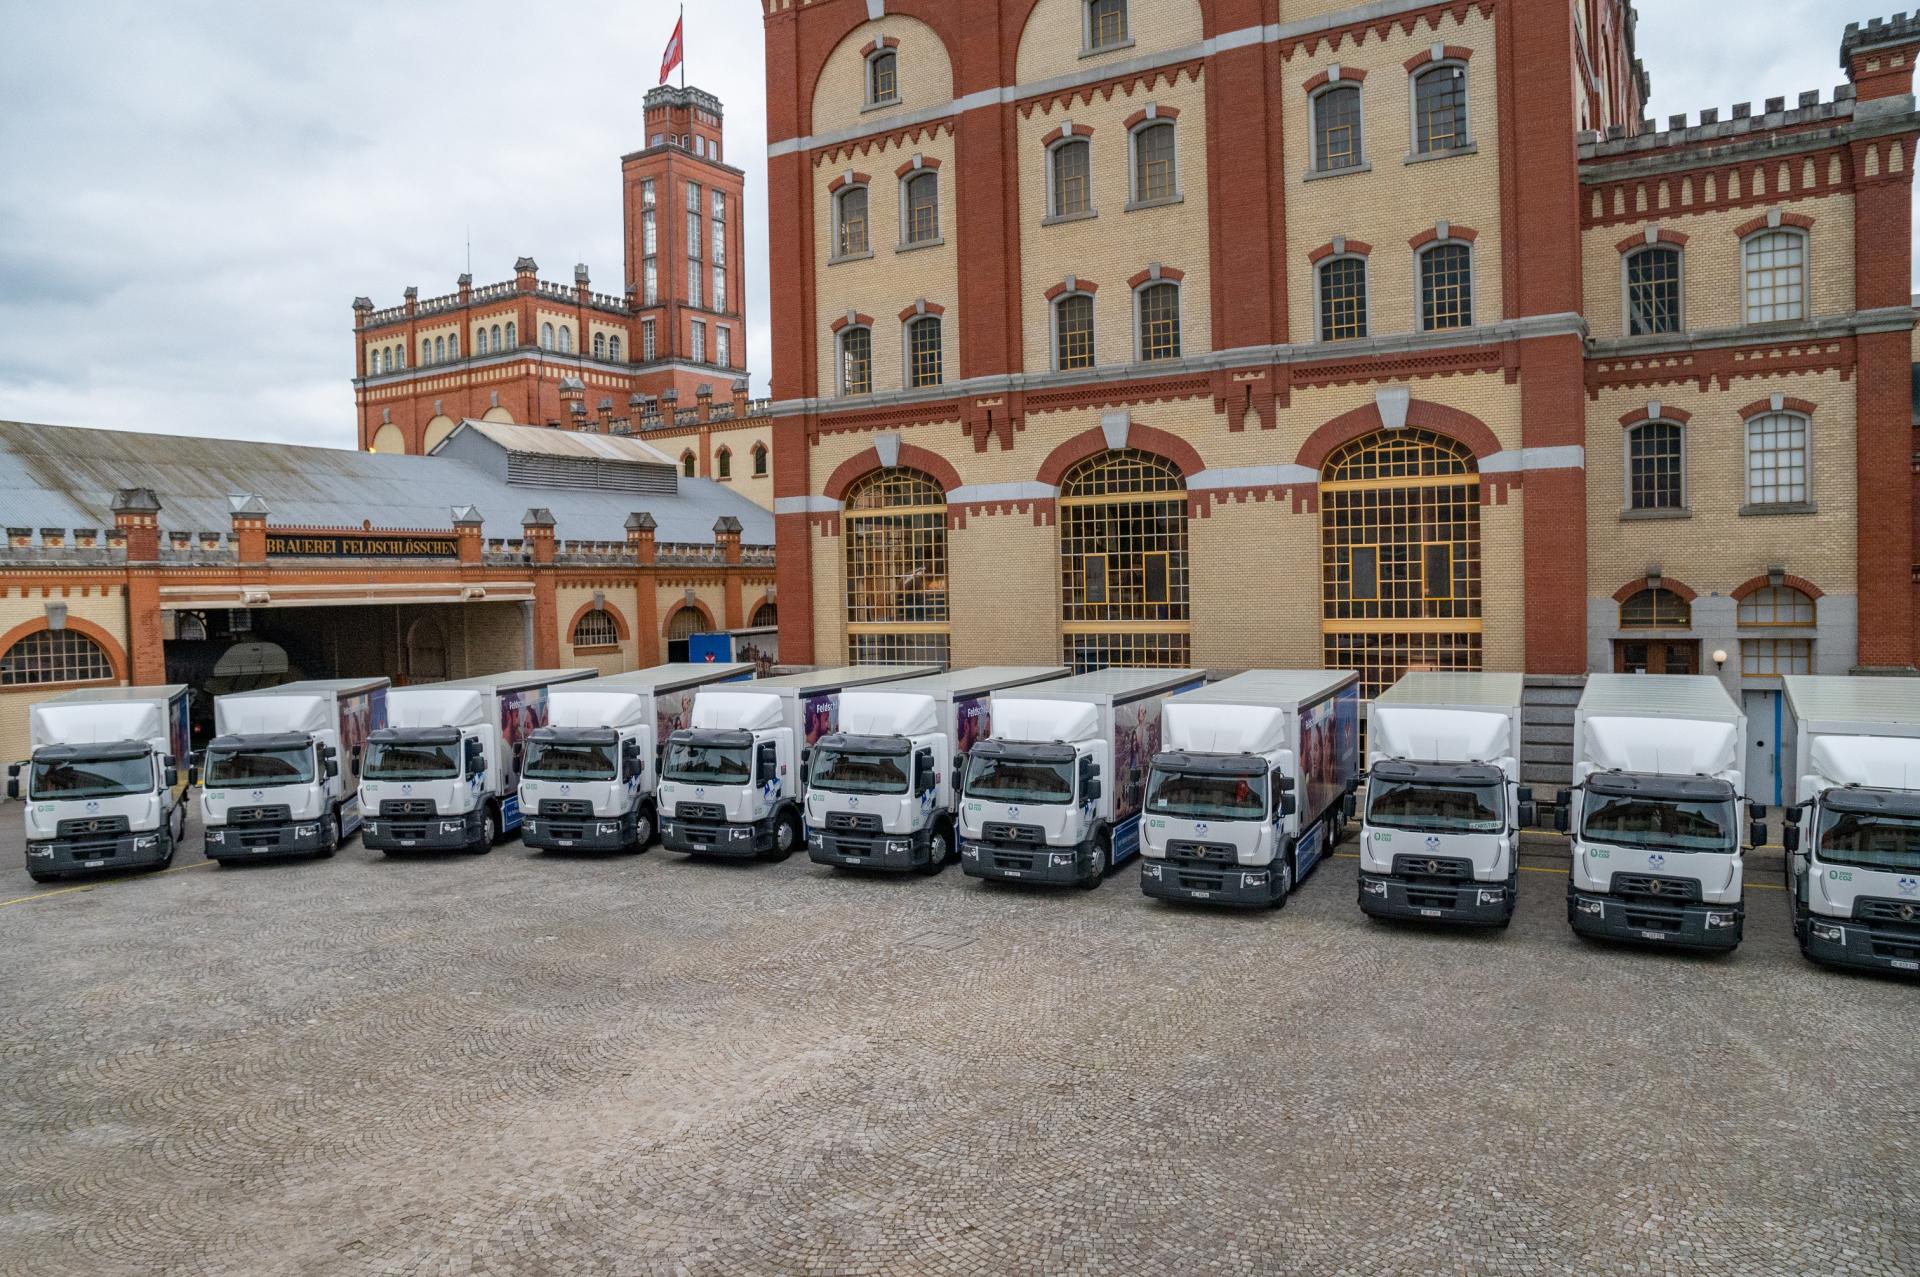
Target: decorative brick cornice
[(921, 162), (1433, 235), (1347, 75), (1445, 52), (854, 320), (1652, 235), (1339, 247), (907, 134), (1072, 284), (872, 47), (1156, 274), (1151, 111), (1800, 583), (1656, 412), (1667, 583), (846, 179), (865, 462), (1777, 403), (1066, 130), (1768, 220), (1105, 89), (920, 308)]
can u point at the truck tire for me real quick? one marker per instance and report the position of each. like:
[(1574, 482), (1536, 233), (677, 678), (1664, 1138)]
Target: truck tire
[(1102, 861), (939, 848), (332, 844), (1284, 870), (173, 845), (786, 835), (642, 829), (489, 832)]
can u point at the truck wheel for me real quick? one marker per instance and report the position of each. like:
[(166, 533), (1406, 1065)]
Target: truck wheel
[(489, 830), (332, 844), (1102, 854), (939, 850), (1283, 878), (173, 845), (642, 831), (786, 836)]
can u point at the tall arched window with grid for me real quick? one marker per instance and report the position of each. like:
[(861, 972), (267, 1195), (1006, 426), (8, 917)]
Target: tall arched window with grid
[(894, 526), (1400, 557), (1123, 563)]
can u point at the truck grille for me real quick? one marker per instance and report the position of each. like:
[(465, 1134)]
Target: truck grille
[(1902, 915), (859, 822), (1031, 835), (92, 827), (1187, 852), (280, 814), (565, 807), (1433, 868), (406, 807), (1652, 888), (700, 811)]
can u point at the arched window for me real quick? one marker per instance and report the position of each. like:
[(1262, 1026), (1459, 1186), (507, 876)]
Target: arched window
[(765, 614), (1106, 24), (1776, 607), (1343, 298), (920, 202), (723, 463), (1157, 325), (1123, 563), (439, 350), (480, 340), (383, 360), (1653, 278), (596, 628), (399, 357), (566, 340), (1656, 466), (1073, 331), (894, 527), (54, 656), (1400, 556), (688, 464), (856, 360), (1070, 177), (686, 623), (850, 222), (759, 460), (599, 345), (1440, 109), (453, 345), (1336, 128), (546, 336), (426, 350), (1775, 263), (426, 652), (883, 77), (1153, 162), (513, 337), (1446, 286), (1777, 460), (923, 351), (1656, 609), (613, 349)]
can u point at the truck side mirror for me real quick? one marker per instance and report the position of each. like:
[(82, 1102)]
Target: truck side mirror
[(1347, 803), (1284, 782), (1092, 790), (1563, 817), (332, 765), (1756, 811), (1524, 794), (1529, 813), (193, 774), (1791, 814), (476, 755), (13, 781), (173, 776), (1756, 833), (1790, 837), (1287, 804)]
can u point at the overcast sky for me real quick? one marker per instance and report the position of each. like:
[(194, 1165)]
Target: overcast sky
[(195, 191)]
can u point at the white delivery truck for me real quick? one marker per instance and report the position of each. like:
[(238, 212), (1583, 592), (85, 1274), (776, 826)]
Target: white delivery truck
[(1053, 795), (588, 783), (1440, 839), (1655, 811), (105, 788), (883, 790), (1253, 786), (730, 784), (445, 772), (282, 773), (1853, 861)]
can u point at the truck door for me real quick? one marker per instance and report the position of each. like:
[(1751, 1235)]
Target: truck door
[(1766, 727)]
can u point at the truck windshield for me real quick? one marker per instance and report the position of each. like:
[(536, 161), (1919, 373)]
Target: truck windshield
[(1659, 824), (1434, 808), (256, 767), (1869, 841), (1019, 780), (846, 772), (91, 778), (404, 760), (1206, 797), (695, 764), (569, 760)]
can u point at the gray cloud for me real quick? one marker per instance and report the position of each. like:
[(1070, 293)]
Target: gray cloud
[(197, 190)]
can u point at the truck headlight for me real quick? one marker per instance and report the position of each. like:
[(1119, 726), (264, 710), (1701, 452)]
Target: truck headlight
[(739, 833), (1719, 921), (1373, 888), (1150, 870), (1060, 861), (532, 825), (899, 846), (1829, 933), (371, 826), (39, 853), (220, 835), (816, 843), (1589, 906), (146, 842), (306, 831)]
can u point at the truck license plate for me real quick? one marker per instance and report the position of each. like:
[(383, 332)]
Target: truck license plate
[(92, 864), (1201, 895), (1014, 873), (566, 842), (1653, 935), (408, 842), (1429, 913), (1901, 964)]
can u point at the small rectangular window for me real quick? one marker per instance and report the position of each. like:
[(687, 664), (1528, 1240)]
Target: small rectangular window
[(1156, 571), (646, 340), (1106, 23), (699, 351), (1436, 564), (1093, 575), (1363, 571)]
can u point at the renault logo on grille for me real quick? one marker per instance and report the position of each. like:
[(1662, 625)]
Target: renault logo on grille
[(1433, 866), (1906, 913), (93, 826), (1656, 886)]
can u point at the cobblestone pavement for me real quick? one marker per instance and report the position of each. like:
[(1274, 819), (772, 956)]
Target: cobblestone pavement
[(520, 1064)]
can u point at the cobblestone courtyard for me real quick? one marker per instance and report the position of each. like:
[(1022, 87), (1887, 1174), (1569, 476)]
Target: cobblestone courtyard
[(517, 1064)]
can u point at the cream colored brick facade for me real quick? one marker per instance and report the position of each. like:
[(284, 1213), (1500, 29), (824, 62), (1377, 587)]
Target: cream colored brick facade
[(105, 607), (924, 70), (1055, 40)]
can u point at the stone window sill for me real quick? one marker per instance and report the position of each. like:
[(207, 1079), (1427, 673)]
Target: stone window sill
[(1471, 148), (1059, 219), (851, 257), (1091, 52), (1320, 174), (596, 649), (884, 104), (1781, 507), (1134, 206), (1655, 513), (936, 242)]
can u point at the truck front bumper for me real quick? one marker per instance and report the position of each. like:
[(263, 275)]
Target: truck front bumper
[(1475, 903), (1025, 862), (715, 838), (57, 857), (1250, 886), (1681, 926), (234, 842), (1845, 942), (869, 850), (421, 833), (579, 833)]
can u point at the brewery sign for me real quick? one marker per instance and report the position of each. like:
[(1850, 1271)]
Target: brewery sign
[(361, 545)]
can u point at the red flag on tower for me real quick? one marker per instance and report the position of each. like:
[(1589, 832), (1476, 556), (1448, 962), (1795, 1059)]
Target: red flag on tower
[(675, 49)]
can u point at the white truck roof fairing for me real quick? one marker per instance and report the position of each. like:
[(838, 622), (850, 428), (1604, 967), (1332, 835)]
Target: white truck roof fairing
[(670, 678), (1435, 689), (829, 680), (978, 681), (1658, 724), (91, 720), (516, 680), (258, 714), (1439, 735), (332, 687), (1278, 689), (438, 705), (1855, 731), (737, 711), (1109, 687), (888, 712), (1206, 727), (1024, 719), (595, 706), (1877, 762), (160, 693), (1695, 696)]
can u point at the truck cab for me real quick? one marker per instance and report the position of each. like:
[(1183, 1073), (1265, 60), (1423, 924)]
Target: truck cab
[(882, 801), (1039, 810), (729, 784), (1220, 828), (270, 793), (585, 789), (426, 789)]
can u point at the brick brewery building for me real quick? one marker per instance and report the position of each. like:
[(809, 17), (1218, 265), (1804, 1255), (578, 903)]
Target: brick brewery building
[(1233, 333)]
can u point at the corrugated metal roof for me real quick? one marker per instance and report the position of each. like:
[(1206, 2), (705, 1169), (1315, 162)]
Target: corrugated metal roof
[(66, 476), (548, 442)]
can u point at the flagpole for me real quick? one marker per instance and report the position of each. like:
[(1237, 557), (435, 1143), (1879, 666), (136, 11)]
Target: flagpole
[(683, 47)]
